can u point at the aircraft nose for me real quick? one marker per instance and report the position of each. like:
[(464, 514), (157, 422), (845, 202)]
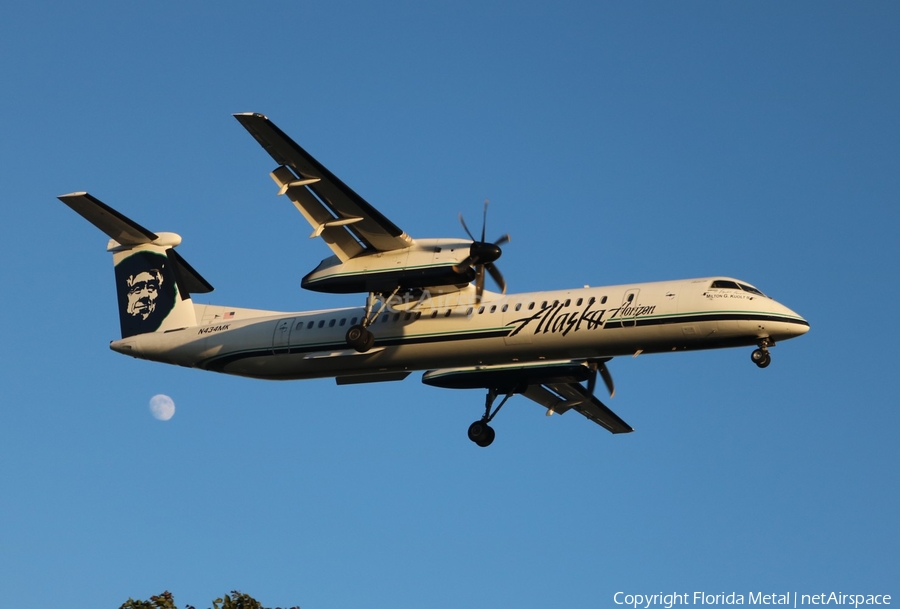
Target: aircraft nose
[(798, 326)]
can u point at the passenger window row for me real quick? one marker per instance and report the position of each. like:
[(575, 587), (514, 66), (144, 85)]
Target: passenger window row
[(518, 307), (396, 317), (343, 321)]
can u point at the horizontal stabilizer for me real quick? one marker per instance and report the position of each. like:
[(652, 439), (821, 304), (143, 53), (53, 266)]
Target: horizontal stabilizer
[(128, 233), (153, 282), (189, 280), (118, 227)]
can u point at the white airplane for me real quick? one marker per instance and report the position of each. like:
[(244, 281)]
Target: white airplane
[(426, 308)]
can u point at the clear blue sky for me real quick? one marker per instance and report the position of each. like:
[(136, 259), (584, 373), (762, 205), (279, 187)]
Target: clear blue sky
[(617, 142)]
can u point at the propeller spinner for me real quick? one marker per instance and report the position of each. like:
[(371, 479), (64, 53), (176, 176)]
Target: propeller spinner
[(482, 255)]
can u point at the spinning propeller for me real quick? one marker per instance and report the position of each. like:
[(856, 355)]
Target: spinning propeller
[(482, 256), (596, 366)]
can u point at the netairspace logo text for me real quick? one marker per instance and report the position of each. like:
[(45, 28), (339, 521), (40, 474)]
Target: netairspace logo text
[(785, 599)]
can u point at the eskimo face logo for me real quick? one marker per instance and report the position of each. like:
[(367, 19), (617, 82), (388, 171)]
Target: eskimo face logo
[(147, 292), (143, 291)]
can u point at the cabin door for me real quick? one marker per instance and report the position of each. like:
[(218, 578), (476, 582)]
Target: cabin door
[(282, 336), (629, 308)]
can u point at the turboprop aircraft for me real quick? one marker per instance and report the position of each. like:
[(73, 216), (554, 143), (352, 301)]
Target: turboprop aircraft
[(426, 308)]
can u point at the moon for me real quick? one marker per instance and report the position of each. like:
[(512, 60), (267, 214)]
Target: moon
[(162, 407)]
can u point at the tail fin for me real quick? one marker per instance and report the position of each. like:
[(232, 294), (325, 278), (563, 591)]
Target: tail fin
[(153, 283)]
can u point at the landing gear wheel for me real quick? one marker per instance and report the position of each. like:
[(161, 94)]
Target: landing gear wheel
[(360, 338), (481, 433), (761, 358)]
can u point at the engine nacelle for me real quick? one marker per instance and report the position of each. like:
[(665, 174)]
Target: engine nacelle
[(428, 263)]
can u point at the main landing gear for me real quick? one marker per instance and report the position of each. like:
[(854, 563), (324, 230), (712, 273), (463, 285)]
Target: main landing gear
[(359, 337), (480, 432), (761, 356)]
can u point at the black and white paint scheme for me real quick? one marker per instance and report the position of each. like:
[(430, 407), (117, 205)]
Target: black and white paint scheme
[(147, 292)]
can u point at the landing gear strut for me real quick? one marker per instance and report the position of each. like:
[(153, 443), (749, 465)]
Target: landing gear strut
[(359, 337), (761, 356), (480, 432)]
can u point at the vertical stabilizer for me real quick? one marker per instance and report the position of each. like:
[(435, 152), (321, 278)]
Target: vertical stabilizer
[(153, 283)]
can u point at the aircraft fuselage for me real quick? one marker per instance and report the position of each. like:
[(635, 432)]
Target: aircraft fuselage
[(447, 331)]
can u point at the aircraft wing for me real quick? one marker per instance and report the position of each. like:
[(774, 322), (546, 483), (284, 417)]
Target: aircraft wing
[(554, 385), (346, 221), (560, 397)]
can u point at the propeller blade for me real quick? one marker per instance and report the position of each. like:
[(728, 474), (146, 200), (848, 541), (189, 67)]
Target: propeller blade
[(466, 228), (607, 379), (600, 367), (496, 276), (462, 266), (482, 255), (592, 379)]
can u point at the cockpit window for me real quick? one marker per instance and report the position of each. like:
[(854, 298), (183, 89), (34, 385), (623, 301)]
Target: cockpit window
[(724, 284), (751, 289)]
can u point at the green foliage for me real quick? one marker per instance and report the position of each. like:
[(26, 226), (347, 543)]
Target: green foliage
[(163, 601), (237, 600)]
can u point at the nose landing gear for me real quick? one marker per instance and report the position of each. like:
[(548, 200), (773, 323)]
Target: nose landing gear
[(761, 356)]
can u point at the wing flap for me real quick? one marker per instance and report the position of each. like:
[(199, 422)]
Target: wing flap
[(374, 230), (338, 238), (577, 398)]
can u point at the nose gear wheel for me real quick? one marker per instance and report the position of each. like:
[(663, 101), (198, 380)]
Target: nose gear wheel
[(761, 356)]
